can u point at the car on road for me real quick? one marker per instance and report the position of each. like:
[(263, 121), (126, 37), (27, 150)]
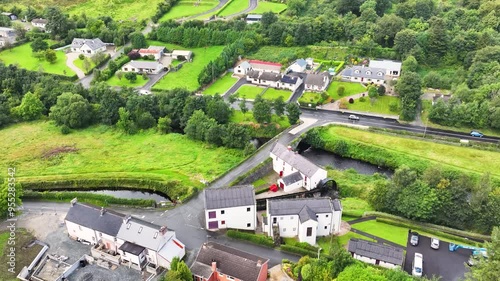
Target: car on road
[(476, 134), (414, 239), (418, 265), (353, 117), (434, 243), (84, 242)]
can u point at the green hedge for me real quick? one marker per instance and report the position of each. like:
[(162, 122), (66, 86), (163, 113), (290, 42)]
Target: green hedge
[(240, 178), (299, 250), (254, 238), (98, 199), (302, 245), (354, 214)]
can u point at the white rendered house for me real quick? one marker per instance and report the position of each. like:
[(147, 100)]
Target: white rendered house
[(304, 218), (88, 46), (242, 68), (295, 170), (392, 68), (148, 67), (298, 66), (233, 207), (317, 82), (364, 74)]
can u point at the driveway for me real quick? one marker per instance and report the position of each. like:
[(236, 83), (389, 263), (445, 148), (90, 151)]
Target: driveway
[(153, 78), (70, 57)]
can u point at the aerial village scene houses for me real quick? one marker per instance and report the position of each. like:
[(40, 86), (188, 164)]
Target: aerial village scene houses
[(88, 46), (377, 72)]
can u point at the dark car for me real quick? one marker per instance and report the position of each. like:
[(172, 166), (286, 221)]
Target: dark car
[(476, 134), (414, 239)]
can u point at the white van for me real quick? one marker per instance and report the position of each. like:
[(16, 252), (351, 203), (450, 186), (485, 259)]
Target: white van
[(418, 265)]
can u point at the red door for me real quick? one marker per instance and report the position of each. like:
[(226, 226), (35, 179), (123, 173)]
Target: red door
[(281, 174), (282, 185)]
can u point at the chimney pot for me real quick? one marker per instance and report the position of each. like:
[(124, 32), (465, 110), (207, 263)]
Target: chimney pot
[(214, 266), (259, 263)]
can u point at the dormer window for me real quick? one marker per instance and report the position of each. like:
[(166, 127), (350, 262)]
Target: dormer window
[(156, 235), (368, 72), (356, 71), (140, 230), (379, 73), (128, 225)]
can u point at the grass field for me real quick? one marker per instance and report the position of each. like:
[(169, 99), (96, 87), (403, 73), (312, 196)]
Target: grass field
[(249, 92), (310, 97), (355, 206), (239, 117), (234, 7), (186, 8), (221, 85), (118, 10), (350, 89), (79, 63), (23, 56), (272, 94), (463, 158), (114, 81), (146, 155), (187, 76), (263, 7), (289, 54), (380, 105), (23, 257)]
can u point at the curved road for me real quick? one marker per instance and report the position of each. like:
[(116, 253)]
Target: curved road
[(221, 3), (251, 6)]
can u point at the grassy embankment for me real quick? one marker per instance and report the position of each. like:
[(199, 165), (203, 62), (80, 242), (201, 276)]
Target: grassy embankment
[(264, 6), (23, 256), (233, 7), (288, 54), (186, 8)]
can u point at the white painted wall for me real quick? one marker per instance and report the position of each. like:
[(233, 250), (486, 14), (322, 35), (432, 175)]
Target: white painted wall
[(82, 232), (388, 265), (107, 240), (364, 259), (236, 217), (241, 70), (324, 220), (296, 68), (337, 220), (303, 232), (288, 225), (290, 187)]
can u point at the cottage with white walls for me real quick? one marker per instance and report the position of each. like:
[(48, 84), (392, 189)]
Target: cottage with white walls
[(304, 218), (376, 253), (317, 82), (155, 51), (295, 170), (88, 46), (242, 68), (269, 79), (392, 68), (233, 207), (364, 74), (265, 66), (40, 23), (299, 65), (148, 67), (290, 82), (177, 54)]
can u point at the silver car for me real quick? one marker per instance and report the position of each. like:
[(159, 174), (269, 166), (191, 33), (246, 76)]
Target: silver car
[(435, 243)]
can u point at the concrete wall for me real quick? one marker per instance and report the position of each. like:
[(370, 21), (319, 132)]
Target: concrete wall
[(257, 174)]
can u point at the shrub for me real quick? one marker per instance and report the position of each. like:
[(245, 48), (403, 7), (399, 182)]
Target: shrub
[(134, 55), (127, 49), (381, 90), (81, 56), (65, 130), (351, 100), (341, 90), (298, 250), (362, 99), (393, 106), (254, 238)]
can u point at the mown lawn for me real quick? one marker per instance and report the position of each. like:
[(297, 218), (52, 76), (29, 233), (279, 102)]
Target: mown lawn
[(114, 81), (104, 152), (380, 105), (272, 94), (186, 8), (79, 63), (463, 158), (350, 89), (221, 85), (239, 117), (118, 10), (289, 54), (234, 7), (264, 6), (324, 242), (249, 92), (355, 206), (187, 76), (310, 97), (23, 56)]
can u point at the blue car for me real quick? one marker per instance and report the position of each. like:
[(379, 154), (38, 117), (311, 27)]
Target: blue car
[(476, 134)]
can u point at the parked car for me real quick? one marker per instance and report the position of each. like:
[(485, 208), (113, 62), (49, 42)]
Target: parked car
[(418, 265), (414, 239), (476, 134), (353, 117), (84, 242), (435, 243)]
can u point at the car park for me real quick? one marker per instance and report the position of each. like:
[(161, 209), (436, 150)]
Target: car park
[(353, 117), (476, 134), (414, 239), (434, 243), (418, 265)]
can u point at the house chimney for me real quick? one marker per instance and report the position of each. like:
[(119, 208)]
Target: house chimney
[(289, 148), (102, 211), (126, 219), (163, 229), (259, 263), (73, 202), (214, 266)]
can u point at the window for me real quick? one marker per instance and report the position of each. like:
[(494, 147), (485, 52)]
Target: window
[(379, 73), (281, 218), (368, 72), (291, 218), (326, 227), (211, 215), (156, 235), (317, 216), (309, 231), (140, 230), (128, 225), (222, 222), (274, 220), (356, 71), (222, 212), (284, 229), (80, 228), (326, 216), (220, 274), (294, 229), (249, 224), (248, 209), (100, 234)]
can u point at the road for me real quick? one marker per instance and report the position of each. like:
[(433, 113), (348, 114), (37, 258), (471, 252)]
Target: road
[(221, 3), (251, 6)]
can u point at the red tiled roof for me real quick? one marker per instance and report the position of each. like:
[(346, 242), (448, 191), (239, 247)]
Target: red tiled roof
[(149, 51), (264, 62)]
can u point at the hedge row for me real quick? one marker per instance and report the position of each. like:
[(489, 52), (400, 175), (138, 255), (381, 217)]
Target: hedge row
[(223, 7), (299, 250), (302, 245), (249, 172), (254, 238), (428, 227), (354, 214), (103, 199)]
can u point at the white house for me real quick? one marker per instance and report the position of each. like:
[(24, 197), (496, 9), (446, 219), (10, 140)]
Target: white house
[(304, 218), (364, 74), (156, 51), (317, 82), (290, 82), (376, 253), (392, 68), (233, 207), (242, 68), (295, 170), (298, 66), (149, 67), (88, 46), (264, 66), (178, 53), (253, 18), (40, 23), (7, 35), (269, 79)]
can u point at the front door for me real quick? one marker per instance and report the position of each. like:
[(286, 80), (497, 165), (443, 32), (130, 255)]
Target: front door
[(282, 185), (213, 224), (281, 174)]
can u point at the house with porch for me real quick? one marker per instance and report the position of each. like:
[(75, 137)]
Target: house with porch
[(216, 262), (233, 207), (304, 218), (295, 170), (376, 253), (317, 82), (264, 66), (269, 79), (88, 46), (364, 74), (148, 67), (392, 68)]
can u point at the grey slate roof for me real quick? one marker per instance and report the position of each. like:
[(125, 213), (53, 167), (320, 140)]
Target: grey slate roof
[(93, 44), (292, 178), (376, 251), (245, 65), (307, 214), (319, 80), (200, 269), (364, 72), (254, 74), (270, 76), (283, 207), (301, 62), (144, 64), (254, 17), (131, 248), (90, 216), (42, 21), (295, 160), (229, 261), (386, 64), (336, 205), (229, 197), (146, 236)]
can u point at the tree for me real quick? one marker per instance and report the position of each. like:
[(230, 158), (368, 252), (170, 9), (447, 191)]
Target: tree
[(268, 18), (487, 269), (145, 121), (387, 27), (125, 123), (39, 45), (50, 56), (279, 106), (341, 90), (8, 202), (261, 110), (381, 90), (372, 92), (20, 30), (409, 88), (31, 108), (71, 110), (410, 64), (243, 106), (86, 65), (164, 125), (131, 76), (218, 110), (138, 40), (295, 7), (198, 125), (293, 112), (405, 41), (58, 24), (236, 136)]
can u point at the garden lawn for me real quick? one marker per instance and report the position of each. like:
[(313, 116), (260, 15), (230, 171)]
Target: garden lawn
[(22, 55), (272, 94), (114, 81), (381, 105), (324, 242), (407, 149), (79, 63), (289, 54), (249, 92), (146, 155), (239, 117), (310, 98), (221, 85), (118, 10), (186, 8), (355, 206), (264, 6), (353, 184), (235, 6), (350, 89), (187, 76)]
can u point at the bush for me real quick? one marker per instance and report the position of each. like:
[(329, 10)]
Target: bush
[(298, 250), (81, 57), (254, 238), (65, 130), (393, 106), (351, 100), (341, 90), (134, 55), (362, 99)]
